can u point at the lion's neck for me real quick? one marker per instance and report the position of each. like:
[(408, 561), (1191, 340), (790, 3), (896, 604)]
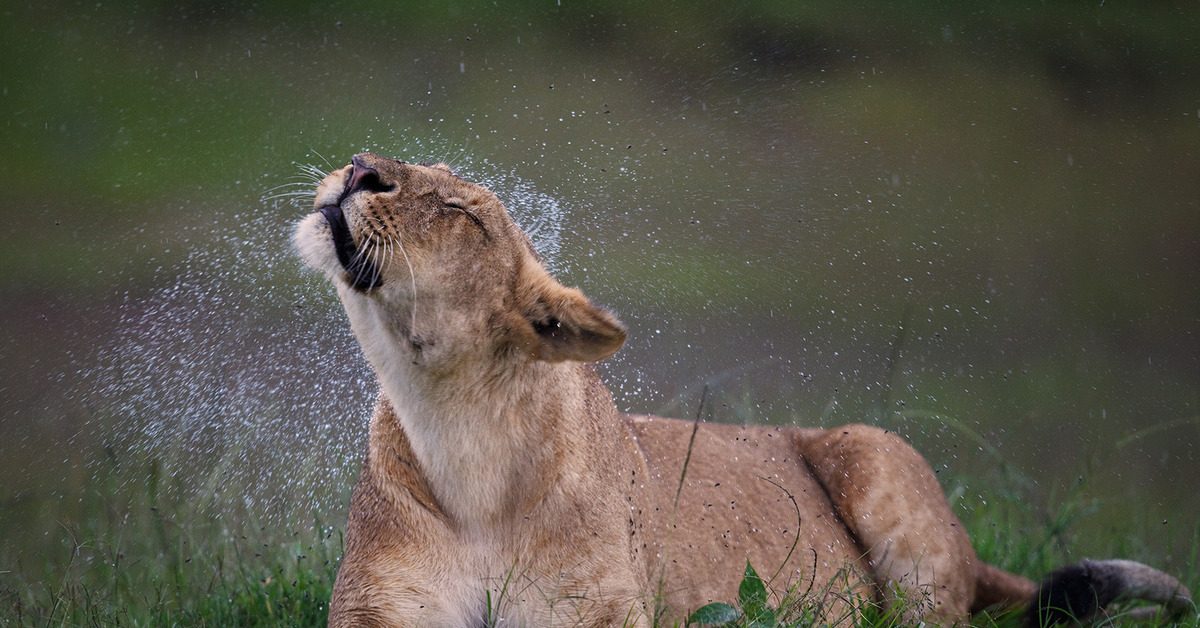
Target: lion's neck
[(490, 452), (493, 436)]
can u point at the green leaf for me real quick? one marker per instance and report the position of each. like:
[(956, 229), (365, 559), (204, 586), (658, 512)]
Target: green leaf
[(764, 619), (715, 613), (752, 594)]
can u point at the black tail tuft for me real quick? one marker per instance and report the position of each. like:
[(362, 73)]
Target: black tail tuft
[(1075, 593)]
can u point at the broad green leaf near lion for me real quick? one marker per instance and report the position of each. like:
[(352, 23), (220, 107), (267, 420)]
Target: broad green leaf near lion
[(752, 595), (715, 613)]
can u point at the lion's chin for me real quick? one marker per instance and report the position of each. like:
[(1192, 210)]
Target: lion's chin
[(324, 242), (314, 242)]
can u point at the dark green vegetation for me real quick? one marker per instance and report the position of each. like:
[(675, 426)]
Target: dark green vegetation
[(977, 225)]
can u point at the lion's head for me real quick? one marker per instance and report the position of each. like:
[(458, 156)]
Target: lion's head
[(433, 271)]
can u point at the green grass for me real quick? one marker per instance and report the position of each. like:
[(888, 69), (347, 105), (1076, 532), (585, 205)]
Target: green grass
[(125, 555)]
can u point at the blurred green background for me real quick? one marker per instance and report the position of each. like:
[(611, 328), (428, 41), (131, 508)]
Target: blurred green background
[(974, 223)]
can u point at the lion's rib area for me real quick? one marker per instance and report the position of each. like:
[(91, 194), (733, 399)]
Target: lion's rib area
[(736, 505)]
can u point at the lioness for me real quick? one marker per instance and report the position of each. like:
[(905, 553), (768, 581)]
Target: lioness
[(501, 484)]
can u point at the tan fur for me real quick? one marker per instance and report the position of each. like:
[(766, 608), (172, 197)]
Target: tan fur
[(501, 482)]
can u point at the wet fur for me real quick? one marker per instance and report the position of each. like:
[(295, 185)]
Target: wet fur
[(501, 482)]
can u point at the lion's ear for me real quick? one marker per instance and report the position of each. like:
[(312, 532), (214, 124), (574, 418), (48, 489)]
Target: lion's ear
[(565, 325)]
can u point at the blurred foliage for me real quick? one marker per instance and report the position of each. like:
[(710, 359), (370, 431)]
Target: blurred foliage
[(137, 98)]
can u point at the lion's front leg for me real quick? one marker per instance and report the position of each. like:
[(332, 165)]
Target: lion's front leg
[(368, 597), (402, 566), (889, 498)]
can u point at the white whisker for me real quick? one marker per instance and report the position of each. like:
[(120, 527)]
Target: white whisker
[(295, 189), (362, 250), (361, 253), (391, 253), (292, 184), (304, 191), (376, 255), (294, 194), (331, 166), (412, 276)]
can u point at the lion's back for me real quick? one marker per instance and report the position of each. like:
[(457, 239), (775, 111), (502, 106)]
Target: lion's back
[(747, 494)]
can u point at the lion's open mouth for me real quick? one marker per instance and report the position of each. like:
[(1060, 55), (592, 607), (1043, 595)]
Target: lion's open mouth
[(363, 274)]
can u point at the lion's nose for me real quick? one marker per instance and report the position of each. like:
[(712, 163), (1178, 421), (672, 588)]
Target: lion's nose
[(365, 177)]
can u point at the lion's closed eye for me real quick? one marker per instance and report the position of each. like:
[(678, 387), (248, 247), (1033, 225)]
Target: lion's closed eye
[(461, 205)]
